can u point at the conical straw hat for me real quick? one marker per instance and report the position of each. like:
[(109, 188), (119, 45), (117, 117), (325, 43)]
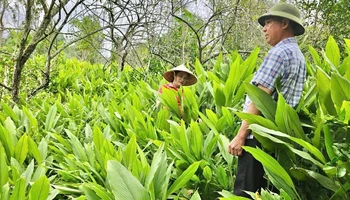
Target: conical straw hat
[(169, 75)]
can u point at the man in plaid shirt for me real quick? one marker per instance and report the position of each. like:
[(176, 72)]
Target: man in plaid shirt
[(284, 61)]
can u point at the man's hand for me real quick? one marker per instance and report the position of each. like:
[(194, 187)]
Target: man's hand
[(235, 146)]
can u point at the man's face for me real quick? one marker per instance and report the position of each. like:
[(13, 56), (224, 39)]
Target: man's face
[(180, 79), (273, 30)]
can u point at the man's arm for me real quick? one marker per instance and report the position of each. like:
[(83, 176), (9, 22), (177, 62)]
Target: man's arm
[(235, 146)]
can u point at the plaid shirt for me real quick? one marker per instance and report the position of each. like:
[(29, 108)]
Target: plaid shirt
[(284, 61)]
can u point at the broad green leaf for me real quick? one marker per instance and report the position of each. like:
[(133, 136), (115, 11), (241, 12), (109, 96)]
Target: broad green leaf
[(222, 177), (143, 158), (195, 196), (98, 190), (89, 150), (19, 190), (257, 119), (7, 143), (347, 42), (16, 169), (9, 111), (340, 90), (123, 184), (208, 123), (287, 119), (219, 95), (207, 173), (310, 69), (278, 182), (28, 173), (282, 117), (332, 51), (316, 140), (262, 101), (11, 128), (196, 139), (78, 148), (129, 153), (218, 62), (228, 116), (157, 174), (39, 172), (33, 149), (232, 80), (169, 99), (266, 132), (68, 190), (328, 139), (107, 117), (98, 137), (250, 63), (271, 165), (212, 116), (90, 194), (190, 104), (226, 195), (33, 122), (324, 89), (312, 149), (223, 143), (214, 78), (209, 87), (40, 189), (3, 167), (201, 73), (167, 180), (5, 192), (183, 178), (267, 141), (21, 149), (315, 56), (50, 118), (184, 141), (161, 120), (43, 148), (284, 195), (240, 94), (345, 112), (306, 156), (343, 68), (210, 144), (323, 180), (88, 133), (341, 192), (222, 123)]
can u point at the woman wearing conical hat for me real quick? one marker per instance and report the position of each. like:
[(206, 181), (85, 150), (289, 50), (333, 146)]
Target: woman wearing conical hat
[(177, 77)]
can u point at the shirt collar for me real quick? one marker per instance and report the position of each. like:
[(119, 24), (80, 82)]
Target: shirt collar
[(286, 41)]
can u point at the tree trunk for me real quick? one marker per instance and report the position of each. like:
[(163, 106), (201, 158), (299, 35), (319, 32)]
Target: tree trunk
[(17, 78), (2, 13)]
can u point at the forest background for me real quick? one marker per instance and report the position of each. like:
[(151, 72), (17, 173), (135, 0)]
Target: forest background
[(79, 78)]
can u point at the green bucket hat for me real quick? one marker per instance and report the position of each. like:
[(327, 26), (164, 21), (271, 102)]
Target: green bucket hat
[(287, 11)]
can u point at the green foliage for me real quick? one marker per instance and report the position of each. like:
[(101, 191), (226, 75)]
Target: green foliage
[(86, 49), (96, 133), (326, 18)]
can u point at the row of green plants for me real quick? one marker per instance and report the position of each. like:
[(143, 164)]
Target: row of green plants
[(96, 133)]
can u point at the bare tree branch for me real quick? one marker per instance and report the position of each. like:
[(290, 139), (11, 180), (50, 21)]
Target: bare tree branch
[(198, 37), (6, 87)]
